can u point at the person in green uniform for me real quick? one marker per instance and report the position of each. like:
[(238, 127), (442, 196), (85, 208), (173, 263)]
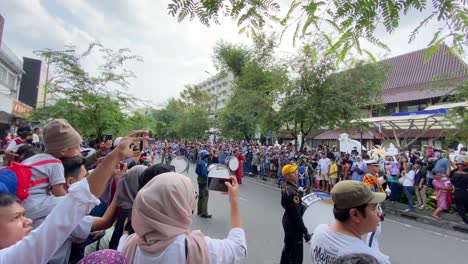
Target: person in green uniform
[(202, 179)]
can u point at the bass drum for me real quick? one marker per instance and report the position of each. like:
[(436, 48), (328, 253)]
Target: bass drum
[(233, 163), (319, 212), (219, 171), (212, 166), (180, 164)]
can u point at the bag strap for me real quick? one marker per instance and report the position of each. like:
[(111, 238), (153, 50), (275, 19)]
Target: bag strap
[(44, 162), (37, 182), (186, 249)]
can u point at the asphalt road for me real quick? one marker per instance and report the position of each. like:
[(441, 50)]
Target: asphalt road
[(405, 241)]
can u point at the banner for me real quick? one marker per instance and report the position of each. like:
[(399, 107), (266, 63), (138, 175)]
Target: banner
[(20, 110)]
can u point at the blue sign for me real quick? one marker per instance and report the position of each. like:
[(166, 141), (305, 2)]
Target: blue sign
[(423, 112)]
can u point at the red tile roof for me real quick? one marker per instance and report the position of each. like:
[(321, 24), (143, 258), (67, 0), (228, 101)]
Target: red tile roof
[(410, 78)]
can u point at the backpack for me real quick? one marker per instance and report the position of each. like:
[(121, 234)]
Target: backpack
[(23, 176)]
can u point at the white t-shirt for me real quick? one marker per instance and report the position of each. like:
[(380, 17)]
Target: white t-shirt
[(324, 164), (13, 147), (35, 138), (40, 202), (409, 178), (231, 250), (327, 245)]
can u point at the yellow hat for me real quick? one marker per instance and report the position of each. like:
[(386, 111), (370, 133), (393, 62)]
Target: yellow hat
[(288, 168)]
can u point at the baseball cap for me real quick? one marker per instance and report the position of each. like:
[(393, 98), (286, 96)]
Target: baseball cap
[(350, 194), (288, 168)]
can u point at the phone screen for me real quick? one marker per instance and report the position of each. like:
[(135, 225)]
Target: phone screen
[(218, 184)]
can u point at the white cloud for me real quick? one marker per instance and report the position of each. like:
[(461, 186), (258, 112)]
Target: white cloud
[(174, 53)]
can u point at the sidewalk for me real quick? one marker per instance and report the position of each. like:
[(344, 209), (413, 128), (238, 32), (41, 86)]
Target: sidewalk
[(450, 221)]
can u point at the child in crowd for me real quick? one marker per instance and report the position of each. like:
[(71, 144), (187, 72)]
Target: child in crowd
[(61, 141), (442, 189)]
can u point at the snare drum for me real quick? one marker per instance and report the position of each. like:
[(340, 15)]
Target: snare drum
[(218, 171), (180, 163), (233, 163)]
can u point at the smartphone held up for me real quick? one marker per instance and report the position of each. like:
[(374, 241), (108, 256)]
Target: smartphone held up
[(218, 184)]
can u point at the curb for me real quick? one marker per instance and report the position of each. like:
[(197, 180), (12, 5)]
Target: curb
[(449, 222)]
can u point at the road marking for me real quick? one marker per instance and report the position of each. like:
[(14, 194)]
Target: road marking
[(429, 231), (243, 199), (269, 186)]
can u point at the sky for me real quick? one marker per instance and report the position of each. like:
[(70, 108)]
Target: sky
[(174, 54)]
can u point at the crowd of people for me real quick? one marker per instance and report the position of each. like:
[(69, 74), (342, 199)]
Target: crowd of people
[(107, 201), (411, 173)]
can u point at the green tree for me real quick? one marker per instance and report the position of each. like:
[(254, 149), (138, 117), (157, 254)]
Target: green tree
[(258, 79), (91, 103), (138, 121), (185, 118), (322, 97), (351, 20)]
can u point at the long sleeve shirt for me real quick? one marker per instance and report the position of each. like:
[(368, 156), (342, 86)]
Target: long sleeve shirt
[(40, 245), (231, 250)]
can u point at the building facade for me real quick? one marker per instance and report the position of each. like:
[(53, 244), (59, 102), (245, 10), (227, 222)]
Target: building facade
[(416, 95), (220, 87), (12, 110)]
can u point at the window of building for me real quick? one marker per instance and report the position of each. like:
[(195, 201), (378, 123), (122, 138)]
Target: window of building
[(10, 83), (3, 75)]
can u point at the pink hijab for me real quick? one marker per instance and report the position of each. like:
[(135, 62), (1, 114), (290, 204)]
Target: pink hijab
[(163, 210)]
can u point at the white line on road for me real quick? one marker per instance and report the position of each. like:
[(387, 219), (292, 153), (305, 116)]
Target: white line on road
[(243, 199), (429, 231)]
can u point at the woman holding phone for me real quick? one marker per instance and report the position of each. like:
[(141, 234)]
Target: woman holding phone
[(161, 218)]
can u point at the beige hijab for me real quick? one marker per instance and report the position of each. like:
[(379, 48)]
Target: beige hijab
[(163, 210)]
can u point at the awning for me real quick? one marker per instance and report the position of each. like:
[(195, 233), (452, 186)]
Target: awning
[(420, 122), (447, 106)]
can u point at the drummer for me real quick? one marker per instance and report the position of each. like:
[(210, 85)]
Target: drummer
[(202, 173), (293, 225)]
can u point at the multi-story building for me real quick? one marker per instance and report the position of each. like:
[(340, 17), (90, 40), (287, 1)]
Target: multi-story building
[(220, 87), (12, 111), (33, 83)]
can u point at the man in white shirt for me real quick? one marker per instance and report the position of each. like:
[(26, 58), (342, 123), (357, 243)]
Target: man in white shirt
[(356, 213), (324, 164), (35, 137)]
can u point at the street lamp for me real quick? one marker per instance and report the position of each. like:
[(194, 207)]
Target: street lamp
[(47, 76)]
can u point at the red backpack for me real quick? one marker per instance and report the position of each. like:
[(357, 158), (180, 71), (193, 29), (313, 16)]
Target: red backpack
[(23, 175)]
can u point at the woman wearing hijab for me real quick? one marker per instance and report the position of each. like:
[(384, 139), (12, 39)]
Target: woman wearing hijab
[(127, 189), (162, 216)]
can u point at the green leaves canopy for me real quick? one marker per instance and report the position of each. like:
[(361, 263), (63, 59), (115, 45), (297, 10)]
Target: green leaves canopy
[(351, 21), (93, 104)]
